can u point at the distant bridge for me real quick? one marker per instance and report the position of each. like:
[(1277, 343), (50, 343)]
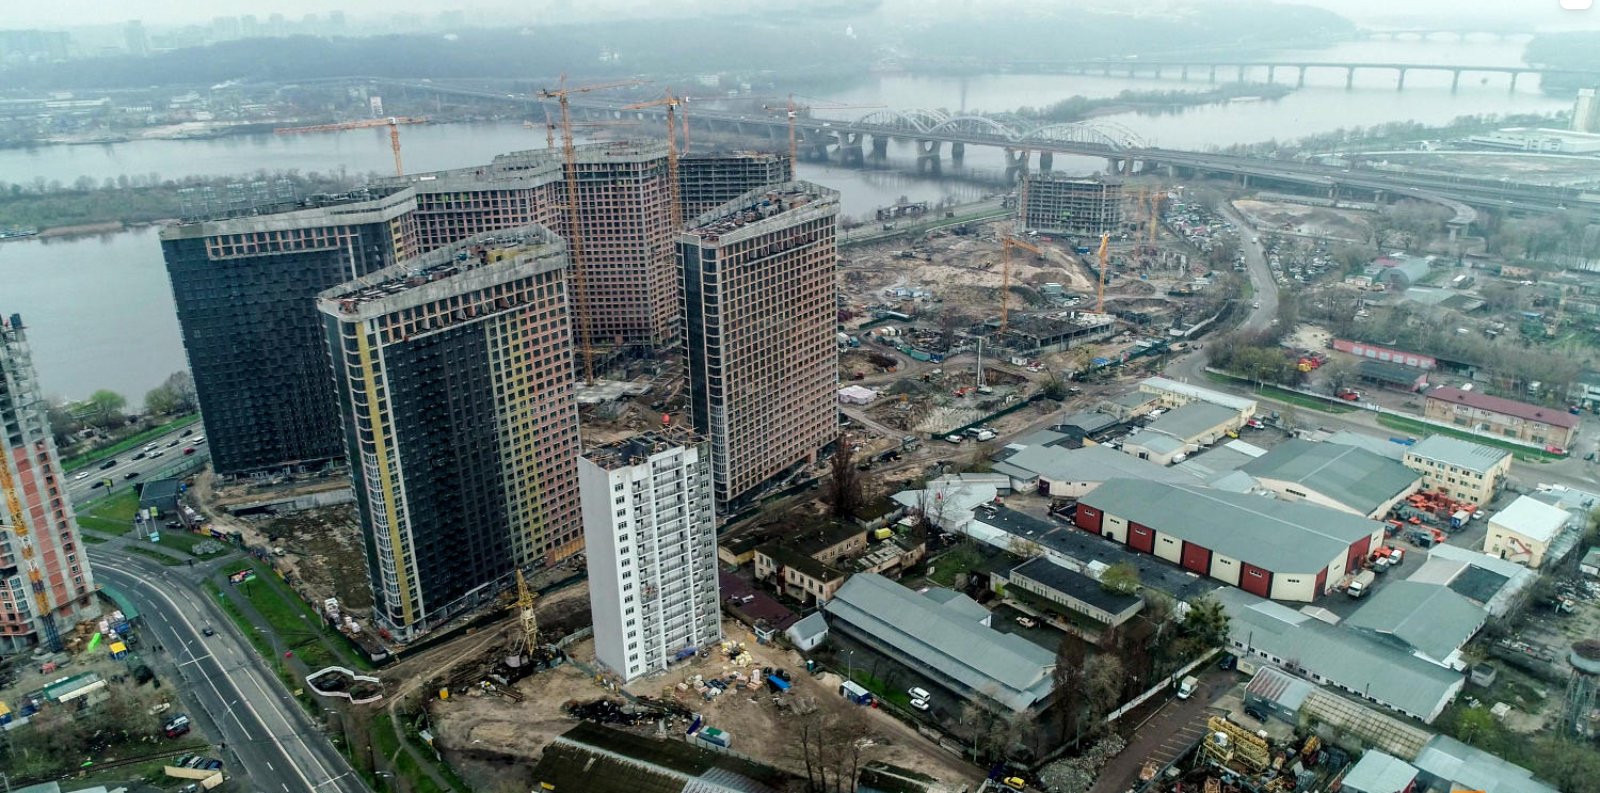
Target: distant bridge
[(1212, 68)]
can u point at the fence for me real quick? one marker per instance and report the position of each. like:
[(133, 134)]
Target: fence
[(1157, 689), (1006, 411)]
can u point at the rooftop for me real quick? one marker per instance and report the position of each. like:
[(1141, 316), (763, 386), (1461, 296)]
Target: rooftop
[(756, 206), (1379, 772), (638, 449), (1350, 475), (1471, 456), (1196, 392), (1465, 767), (1275, 685), (1532, 518), (806, 565), (1089, 421), (1429, 618), (1155, 442), (1191, 420), (365, 205), (1390, 372), (1509, 407), (1006, 667), (1133, 399), (1075, 584), (386, 288), (599, 759), (1348, 659), (1378, 446), (1088, 464), (1280, 536), (1489, 581)]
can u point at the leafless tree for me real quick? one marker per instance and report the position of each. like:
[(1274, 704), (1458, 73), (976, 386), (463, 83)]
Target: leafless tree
[(844, 483), (832, 748)]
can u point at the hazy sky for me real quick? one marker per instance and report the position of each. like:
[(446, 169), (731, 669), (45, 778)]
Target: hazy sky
[(65, 13)]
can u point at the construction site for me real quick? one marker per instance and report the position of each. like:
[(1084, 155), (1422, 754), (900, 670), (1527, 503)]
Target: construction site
[(1233, 758)]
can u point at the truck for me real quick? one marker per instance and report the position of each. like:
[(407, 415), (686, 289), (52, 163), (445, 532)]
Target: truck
[(1360, 584), (1187, 686), (716, 737), (850, 690), (1460, 518)]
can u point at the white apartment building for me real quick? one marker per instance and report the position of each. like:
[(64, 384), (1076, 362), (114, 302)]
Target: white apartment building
[(651, 539)]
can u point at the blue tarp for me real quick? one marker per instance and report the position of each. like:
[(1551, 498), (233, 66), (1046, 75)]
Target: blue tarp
[(778, 682)]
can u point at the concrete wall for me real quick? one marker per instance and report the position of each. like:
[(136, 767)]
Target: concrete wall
[(1509, 545)]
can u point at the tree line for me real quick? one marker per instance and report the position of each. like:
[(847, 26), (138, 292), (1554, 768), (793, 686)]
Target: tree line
[(138, 198), (105, 410)]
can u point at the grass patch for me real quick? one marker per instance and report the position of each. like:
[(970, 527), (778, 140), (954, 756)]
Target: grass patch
[(260, 642), (943, 570), (1284, 395), (119, 508), (879, 688), (104, 526), (1423, 429), (130, 442), (180, 540), (92, 538), (386, 744), (148, 552)]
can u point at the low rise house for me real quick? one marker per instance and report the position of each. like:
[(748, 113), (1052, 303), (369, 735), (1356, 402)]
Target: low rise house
[(1522, 532), (1430, 620), (1074, 473), (1346, 478), (945, 636), (1278, 549), (797, 575), (1464, 470), (1063, 589), (809, 632), (1507, 418)]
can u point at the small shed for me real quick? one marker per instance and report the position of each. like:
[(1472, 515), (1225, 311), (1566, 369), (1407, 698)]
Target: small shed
[(161, 494), (857, 395), (1379, 772), (808, 633)]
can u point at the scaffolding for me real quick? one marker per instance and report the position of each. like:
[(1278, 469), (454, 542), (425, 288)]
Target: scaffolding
[(1056, 204)]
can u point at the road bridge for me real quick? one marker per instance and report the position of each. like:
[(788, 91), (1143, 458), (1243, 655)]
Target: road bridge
[(1241, 68)]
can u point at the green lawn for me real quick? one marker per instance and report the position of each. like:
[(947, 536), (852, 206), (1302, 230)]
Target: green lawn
[(1284, 395), (386, 744), (133, 441), (143, 549), (954, 562), (92, 538), (180, 540), (1423, 429)]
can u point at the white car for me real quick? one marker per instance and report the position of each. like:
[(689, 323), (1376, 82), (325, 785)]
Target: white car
[(919, 693), (919, 704), (199, 439), (80, 475)]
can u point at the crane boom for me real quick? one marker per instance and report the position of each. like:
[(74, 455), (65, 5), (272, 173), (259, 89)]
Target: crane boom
[(671, 103), (365, 123)]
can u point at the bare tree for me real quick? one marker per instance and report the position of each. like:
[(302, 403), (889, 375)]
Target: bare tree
[(844, 485), (1068, 675), (832, 748)]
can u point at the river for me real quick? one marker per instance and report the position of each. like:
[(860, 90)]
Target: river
[(100, 307)]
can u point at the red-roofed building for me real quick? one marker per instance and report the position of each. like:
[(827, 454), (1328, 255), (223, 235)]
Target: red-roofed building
[(1505, 417)]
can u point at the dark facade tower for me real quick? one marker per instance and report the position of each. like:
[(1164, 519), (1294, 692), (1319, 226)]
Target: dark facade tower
[(455, 380), (246, 293), (707, 181), (760, 314)]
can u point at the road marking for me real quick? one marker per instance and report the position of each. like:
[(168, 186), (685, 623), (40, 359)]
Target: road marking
[(192, 659)]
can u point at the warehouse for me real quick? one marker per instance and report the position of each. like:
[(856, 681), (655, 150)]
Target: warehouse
[(1070, 590), (1182, 430), (1277, 549), (1073, 473), (1431, 620), (1174, 394), (1331, 475)]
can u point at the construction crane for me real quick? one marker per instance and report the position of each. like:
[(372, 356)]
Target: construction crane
[(671, 103), (527, 639), (392, 122), (1105, 262), (19, 527), (1155, 213), (1006, 244), (792, 111), (574, 227)]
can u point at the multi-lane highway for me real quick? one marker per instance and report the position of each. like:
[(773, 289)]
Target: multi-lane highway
[(227, 690), (168, 451)]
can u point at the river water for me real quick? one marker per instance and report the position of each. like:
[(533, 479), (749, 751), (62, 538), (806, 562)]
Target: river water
[(100, 307)]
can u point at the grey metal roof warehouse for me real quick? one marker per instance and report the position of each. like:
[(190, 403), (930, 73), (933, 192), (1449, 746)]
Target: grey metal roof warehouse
[(1089, 421), (921, 632), (1088, 464), (1379, 772), (1345, 659), (1448, 761), (1454, 451), (1191, 420), (1280, 536), (1429, 618), (1074, 584), (1350, 475), (1489, 581), (1379, 446)]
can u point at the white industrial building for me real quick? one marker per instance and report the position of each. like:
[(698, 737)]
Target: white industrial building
[(652, 550)]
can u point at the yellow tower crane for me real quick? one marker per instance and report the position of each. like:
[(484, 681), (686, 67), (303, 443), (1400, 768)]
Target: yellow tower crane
[(392, 122), (527, 639), (671, 102), (1006, 244), (1105, 263), (574, 226)]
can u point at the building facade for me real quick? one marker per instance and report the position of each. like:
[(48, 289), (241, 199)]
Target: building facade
[(455, 381), (1057, 204), (651, 550), (759, 300), (1463, 470), (1506, 418), (46, 587), (246, 290), (1586, 111), (707, 181)]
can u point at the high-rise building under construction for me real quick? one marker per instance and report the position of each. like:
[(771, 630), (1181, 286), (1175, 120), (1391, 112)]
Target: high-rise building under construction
[(454, 373), (246, 288), (45, 584), (1057, 204), (760, 313), (707, 181)]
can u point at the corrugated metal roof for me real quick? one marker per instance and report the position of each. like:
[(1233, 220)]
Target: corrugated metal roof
[(1352, 476), (1489, 581), (1455, 451), (1428, 618), (1005, 667), (1281, 536), (1191, 420), (1378, 772), (1280, 687), (1088, 464), (1187, 391), (1348, 659), (1449, 760)]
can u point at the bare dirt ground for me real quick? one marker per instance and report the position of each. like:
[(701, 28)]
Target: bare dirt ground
[(322, 549), (1342, 224)]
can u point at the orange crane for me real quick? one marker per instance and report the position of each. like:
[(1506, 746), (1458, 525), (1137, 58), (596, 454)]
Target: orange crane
[(792, 111), (392, 122), (1105, 262), (1006, 244), (671, 102), (19, 527), (575, 228), (1155, 213)]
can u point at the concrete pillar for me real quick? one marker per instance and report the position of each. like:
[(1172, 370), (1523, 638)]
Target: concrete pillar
[(1455, 80), (880, 149), (1158, 71), (1213, 77), (1108, 70), (1514, 76), (1401, 85), (1349, 77), (1301, 81), (958, 151), (1272, 72), (1241, 72), (1047, 160)]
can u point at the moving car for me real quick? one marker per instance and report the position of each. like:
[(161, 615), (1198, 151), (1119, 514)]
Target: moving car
[(80, 476), (208, 631), (131, 475), (111, 463), (189, 450)]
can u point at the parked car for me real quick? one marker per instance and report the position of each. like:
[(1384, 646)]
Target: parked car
[(918, 692), (1255, 713), (1016, 783), (1026, 621), (1229, 661), (919, 704)]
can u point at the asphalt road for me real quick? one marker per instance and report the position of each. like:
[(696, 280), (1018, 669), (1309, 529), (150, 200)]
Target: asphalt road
[(269, 739), (170, 445), (1263, 285)]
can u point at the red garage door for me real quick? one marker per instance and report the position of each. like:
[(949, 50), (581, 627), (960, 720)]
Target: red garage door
[(1197, 558), (1254, 580), (1358, 554), (1141, 538), (1322, 582), (1088, 518)]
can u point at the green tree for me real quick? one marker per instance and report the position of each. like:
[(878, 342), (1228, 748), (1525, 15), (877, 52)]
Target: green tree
[(106, 406), (1207, 621), (1121, 578)]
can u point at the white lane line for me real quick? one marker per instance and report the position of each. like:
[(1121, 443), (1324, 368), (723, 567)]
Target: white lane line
[(211, 681)]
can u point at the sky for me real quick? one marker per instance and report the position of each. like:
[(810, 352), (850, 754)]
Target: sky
[(72, 13)]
